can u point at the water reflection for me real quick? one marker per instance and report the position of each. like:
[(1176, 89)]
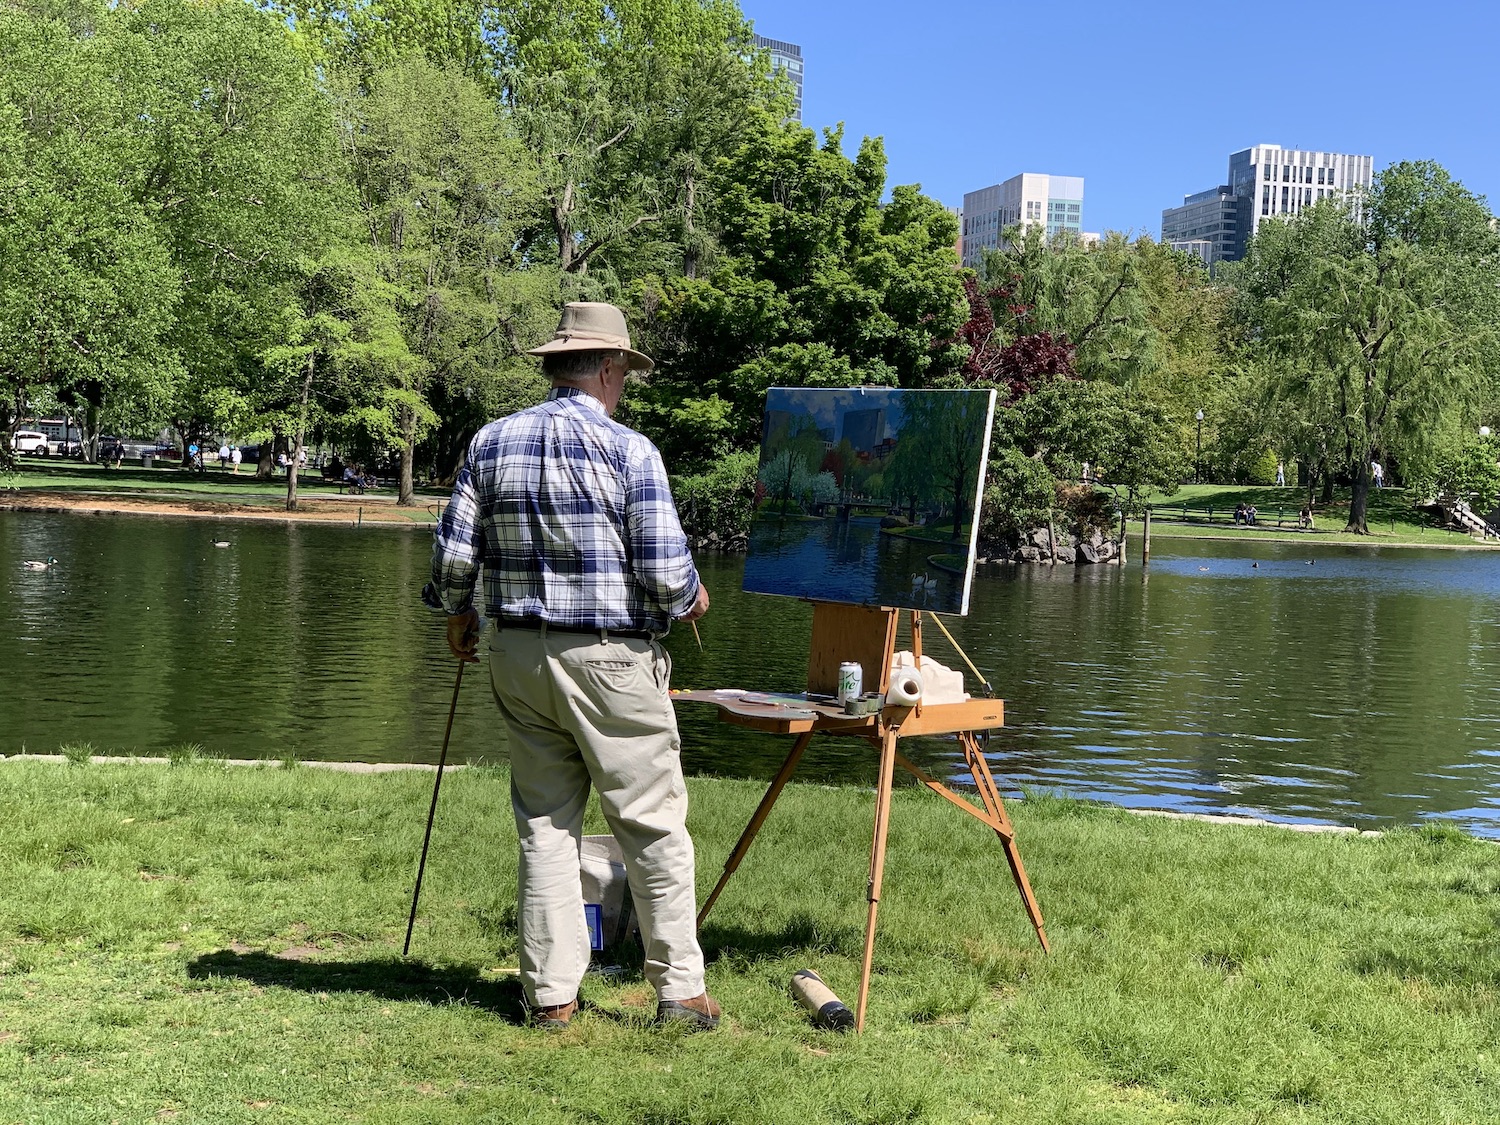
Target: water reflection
[(1363, 688), (851, 560)]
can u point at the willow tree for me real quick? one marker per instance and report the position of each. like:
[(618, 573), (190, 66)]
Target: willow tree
[(1382, 323)]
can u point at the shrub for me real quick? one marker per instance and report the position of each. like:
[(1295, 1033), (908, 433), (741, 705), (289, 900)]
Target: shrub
[(718, 502), (1017, 499), (1262, 468)]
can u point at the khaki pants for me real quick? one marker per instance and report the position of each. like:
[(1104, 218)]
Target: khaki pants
[(580, 711)]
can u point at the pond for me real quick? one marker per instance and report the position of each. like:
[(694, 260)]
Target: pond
[(1347, 685)]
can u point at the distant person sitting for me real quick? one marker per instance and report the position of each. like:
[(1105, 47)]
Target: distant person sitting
[(1250, 516), (1305, 517), (1240, 514)]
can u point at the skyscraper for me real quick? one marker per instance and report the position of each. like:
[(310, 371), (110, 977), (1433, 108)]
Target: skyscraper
[(1030, 199), (786, 58), (1264, 181), (1207, 224)]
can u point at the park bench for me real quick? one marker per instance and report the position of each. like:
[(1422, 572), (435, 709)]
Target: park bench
[(1186, 512)]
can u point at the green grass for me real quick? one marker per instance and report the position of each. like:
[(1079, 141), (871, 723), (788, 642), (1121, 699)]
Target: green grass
[(1391, 516), (222, 945)]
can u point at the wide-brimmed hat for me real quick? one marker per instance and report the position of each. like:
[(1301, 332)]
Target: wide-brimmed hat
[(588, 326)]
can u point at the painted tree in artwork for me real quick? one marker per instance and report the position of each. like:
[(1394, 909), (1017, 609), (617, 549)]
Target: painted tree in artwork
[(944, 430)]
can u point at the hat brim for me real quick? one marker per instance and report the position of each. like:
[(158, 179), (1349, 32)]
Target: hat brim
[(638, 361)]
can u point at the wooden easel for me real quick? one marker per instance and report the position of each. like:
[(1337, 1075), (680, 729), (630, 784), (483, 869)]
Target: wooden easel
[(868, 635)]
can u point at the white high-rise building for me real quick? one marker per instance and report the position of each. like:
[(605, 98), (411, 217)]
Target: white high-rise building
[(1282, 181), (1030, 199), (1264, 181)]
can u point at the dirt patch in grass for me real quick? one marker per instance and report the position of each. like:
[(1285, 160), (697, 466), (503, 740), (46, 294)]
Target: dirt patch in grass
[(320, 510)]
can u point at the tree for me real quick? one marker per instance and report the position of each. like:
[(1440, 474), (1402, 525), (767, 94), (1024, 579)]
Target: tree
[(1382, 322), (87, 290), (944, 431), (815, 285), (237, 169), (623, 108), (1062, 307), (444, 189)]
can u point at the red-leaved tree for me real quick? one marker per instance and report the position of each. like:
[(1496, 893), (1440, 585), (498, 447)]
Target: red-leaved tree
[(1030, 358)]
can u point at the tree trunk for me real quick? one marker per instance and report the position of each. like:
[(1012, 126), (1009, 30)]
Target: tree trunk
[(265, 468), (405, 497), (1359, 499), (296, 458), (690, 254), (1327, 495)]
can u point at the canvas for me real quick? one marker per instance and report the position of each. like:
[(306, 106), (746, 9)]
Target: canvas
[(870, 496)]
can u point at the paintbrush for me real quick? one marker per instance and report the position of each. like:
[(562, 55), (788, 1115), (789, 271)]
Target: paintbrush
[(694, 624)]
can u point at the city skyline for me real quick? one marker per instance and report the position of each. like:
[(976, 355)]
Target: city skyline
[(961, 104)]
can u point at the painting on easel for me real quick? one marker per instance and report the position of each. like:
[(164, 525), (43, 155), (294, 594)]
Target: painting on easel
[(870, 496)]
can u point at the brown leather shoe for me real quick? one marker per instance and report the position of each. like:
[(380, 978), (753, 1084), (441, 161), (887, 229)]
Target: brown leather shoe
[(554, 1018), (701, 1013)]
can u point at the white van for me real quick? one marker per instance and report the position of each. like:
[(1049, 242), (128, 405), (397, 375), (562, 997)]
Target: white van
[(30, 441)]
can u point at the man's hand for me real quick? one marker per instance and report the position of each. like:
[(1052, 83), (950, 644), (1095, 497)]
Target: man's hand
[(463, 635), (700, 605)]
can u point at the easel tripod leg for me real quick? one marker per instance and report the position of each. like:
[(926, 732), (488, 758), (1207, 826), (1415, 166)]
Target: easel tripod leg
[(989, 793), (877, 867), (762, 811)]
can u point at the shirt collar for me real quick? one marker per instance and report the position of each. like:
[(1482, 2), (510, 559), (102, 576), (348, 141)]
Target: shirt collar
[(579, 395)]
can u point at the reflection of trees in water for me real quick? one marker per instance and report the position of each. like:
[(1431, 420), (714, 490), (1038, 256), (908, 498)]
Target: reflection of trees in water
[(849, 543)]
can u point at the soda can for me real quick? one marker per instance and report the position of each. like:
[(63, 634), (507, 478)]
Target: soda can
[(851, 681)]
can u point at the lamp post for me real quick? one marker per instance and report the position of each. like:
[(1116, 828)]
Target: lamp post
[(1198, 459)]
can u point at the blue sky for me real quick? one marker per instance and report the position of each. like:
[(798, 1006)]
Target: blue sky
[(1146, 99)]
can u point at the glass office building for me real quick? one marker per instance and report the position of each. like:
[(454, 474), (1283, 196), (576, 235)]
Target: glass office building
[(786, 58), (1265, 181)]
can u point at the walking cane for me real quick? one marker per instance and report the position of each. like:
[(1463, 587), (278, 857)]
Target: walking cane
[(432, 810)]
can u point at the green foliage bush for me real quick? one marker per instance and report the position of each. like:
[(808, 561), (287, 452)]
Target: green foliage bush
[(1465, 469), (1262, 469), (719, 501), (1017, 499)]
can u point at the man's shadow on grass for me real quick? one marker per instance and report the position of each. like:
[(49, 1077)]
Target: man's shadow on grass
[(389, 978)]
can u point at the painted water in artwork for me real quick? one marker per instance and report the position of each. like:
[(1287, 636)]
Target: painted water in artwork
[(869, 496)]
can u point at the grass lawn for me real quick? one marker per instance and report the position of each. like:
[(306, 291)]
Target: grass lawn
[(210, 944), (1391, 516)]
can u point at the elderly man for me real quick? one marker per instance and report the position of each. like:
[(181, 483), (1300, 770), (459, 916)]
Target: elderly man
[(585, 566)]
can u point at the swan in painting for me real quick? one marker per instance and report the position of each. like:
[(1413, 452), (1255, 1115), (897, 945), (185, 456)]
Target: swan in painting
[(32, 565)]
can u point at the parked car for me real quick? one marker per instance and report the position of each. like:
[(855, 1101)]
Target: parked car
[(30, 441)]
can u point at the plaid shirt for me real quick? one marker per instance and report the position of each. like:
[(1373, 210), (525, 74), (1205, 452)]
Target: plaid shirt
[(572, 518)]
